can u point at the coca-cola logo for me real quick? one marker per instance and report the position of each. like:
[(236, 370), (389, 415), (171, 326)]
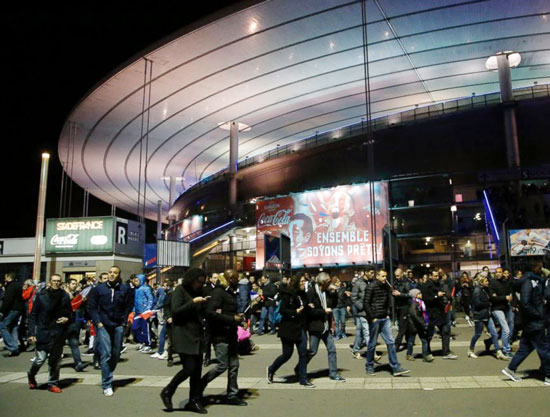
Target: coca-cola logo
[(64, 241), (280, 218)]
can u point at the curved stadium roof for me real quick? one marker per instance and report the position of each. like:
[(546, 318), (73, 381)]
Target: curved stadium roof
[(288, 69)]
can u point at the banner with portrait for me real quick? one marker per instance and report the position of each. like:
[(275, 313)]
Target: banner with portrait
[(328, 226)]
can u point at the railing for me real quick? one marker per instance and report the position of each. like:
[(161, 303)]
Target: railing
[(384, 122)]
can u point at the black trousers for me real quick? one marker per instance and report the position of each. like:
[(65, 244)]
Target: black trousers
[(403, 323), (191, 368)]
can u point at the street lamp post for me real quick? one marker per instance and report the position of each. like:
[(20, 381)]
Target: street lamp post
[(39, 237)]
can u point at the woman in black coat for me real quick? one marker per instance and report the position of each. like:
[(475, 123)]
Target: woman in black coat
[(292, 330), (481, 311), (188, 337)]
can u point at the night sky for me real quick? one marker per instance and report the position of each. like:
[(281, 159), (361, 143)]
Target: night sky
[(53, 56)]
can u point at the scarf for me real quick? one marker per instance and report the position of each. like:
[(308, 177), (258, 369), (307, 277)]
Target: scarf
[(422, 308)]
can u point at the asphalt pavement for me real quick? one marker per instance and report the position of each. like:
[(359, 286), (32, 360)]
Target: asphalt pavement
[(462, 387)]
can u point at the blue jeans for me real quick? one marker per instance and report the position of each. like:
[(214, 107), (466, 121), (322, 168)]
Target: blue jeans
[(266, 311), (530, 341), (382, 327), (361, 333), (288, 349), (328, 340), (500, 317), (479, 329), (109, 344), (162, 338), (510, 318), (339, 315), (8, 330)]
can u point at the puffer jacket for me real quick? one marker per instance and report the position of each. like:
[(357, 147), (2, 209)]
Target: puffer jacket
[(531, 305), (377, 303), (143, 296)]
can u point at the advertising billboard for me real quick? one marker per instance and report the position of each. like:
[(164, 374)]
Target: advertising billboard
[(328, 226), (80, 234), (529, 242), (95, 234)]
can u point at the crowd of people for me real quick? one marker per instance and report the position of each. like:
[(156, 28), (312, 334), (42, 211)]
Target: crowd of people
[(209, 319)]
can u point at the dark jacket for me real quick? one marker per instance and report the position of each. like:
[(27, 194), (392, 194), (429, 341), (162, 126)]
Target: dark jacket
[(292, 323), (317, 319), (416, 322), (13, 298), (339, 298), (358, 297), (481, 304), (110, 303), (403, 301), (44, 314), (221, 311), (498, 301), (435, 305), (269, 291), (531, 305), (188, 325), (377, 303)]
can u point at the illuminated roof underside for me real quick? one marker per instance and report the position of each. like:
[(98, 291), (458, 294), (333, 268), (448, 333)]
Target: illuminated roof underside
[(288, 69)]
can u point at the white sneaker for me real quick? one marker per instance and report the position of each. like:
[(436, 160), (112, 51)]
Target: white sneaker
[(155, 355), (108, 392), (472, 355), (140, 346), (502, 356), (146, 349), (164, 356)]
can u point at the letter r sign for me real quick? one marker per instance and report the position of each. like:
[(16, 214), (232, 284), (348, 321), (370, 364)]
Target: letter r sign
[(121, 233)]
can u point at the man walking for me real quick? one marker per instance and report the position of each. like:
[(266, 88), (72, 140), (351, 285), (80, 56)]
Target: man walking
[(223, 319), (500, 296), (436, 299), (50, 316), (532, 310), (361, 324), (12, 309), (319, 315), (109, 305), (378, 308), (402, 300)]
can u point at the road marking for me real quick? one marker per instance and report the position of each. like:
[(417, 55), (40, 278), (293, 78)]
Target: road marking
[(370, 383)]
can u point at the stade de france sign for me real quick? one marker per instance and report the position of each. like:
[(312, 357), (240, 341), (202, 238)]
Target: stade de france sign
[(95, 235), (80, 235)]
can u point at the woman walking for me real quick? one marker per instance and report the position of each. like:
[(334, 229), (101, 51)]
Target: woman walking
[(188, 336), (292, 330), (482, 316)]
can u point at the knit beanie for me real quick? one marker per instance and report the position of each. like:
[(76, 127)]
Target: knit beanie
[(414, 292)]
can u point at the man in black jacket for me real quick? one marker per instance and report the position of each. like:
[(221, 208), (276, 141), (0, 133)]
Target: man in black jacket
[(319, 316), (109, 305), (269, 292), (402, 301), (500, 295), (436, 300), (377, 305), (50, 316), (532, 310), (12, 308), (223, 321)]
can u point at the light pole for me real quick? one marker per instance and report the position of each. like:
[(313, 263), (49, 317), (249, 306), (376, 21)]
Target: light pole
[(39, 236)]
